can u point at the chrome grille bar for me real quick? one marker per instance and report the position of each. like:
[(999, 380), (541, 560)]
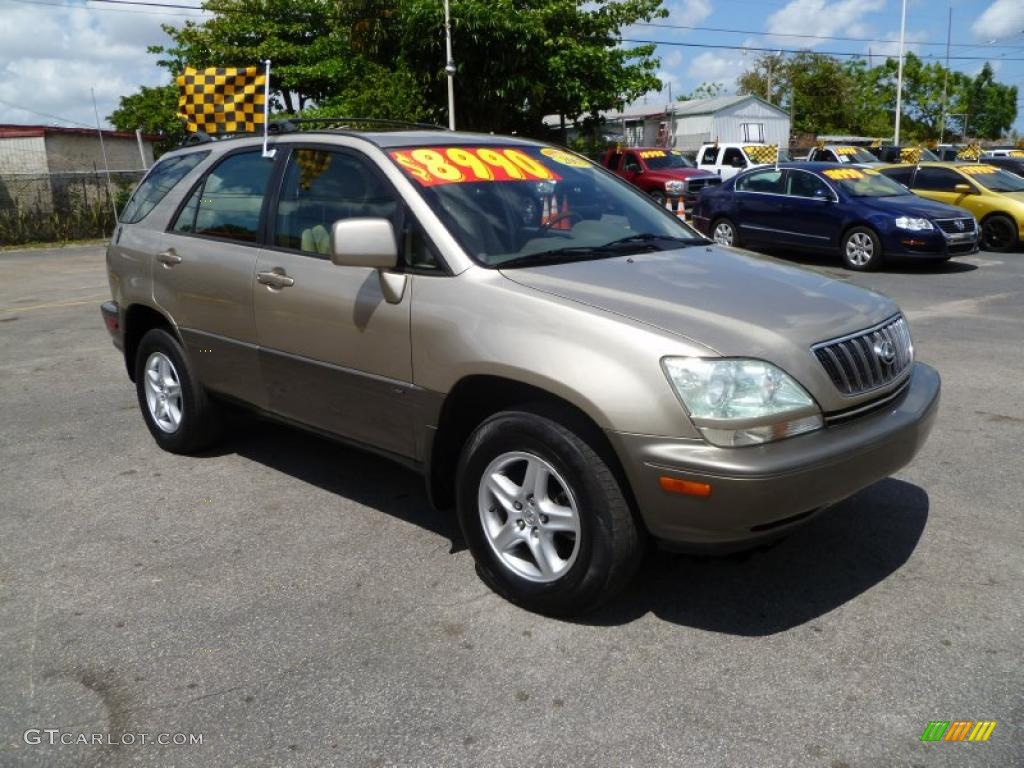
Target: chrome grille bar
[(869, 359)]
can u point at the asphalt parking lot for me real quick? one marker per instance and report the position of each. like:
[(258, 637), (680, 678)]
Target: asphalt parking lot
[(298, 603)]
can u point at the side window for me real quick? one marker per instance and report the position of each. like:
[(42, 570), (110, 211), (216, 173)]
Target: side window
[(900, 175), (227, 203), (803, 184), (769, 182), (937, 179), (158, 182), (709, 156), (416, 250), (630, 162), (319, 188), (734, 157)]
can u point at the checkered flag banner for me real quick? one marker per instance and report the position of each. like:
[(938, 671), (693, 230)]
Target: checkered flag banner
[(763, 154), (222, 99), (971, 152), (910, 155), (312, 163)]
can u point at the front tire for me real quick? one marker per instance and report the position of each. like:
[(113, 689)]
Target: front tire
[(724, 232), (544, 516), (174, 404), (862, 249), (999, 234)]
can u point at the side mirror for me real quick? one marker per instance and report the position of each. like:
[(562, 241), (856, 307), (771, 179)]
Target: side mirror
[(364, 243), (963, 189), (369, 243)]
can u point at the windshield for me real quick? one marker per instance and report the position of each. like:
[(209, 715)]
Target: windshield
[(854, 155), (993, 178), (526, 205), (865, 182), (660, 159)]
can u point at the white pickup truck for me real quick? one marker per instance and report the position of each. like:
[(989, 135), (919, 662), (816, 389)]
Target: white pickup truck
[(727, 159)]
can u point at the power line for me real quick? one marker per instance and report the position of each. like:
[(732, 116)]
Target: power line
[(198, 11), (774, 49), (808, 37), (142, 2), (45, 114)]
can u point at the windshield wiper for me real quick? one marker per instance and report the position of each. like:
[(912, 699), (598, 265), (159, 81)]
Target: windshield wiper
[(620, 247)]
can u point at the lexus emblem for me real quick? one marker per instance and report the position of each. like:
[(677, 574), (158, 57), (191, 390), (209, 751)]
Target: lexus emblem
[(885, 351)]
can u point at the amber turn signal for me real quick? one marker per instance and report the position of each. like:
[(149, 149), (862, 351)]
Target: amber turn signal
[(685, 487)]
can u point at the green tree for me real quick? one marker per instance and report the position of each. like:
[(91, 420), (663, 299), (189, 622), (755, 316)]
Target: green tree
[(990, 107), (154, 110), (703, 91)]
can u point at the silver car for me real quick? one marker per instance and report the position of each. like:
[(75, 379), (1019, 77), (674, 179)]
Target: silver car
[(572, 368)]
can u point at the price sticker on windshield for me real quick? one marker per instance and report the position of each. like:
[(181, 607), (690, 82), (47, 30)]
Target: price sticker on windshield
[(977, 170), (649, 153), (845, 151), (433, 166), (840, 174)]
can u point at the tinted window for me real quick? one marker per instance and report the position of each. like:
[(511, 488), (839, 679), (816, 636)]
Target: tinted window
[(322, 187), (803, 184), (762, 181), (901, 175), (709, 156), (630, 162), (937, 179), (158, 182), (227, 204), (822, 156), (733, 156)]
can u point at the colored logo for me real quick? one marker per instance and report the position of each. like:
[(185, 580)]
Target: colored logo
[(958, 730)]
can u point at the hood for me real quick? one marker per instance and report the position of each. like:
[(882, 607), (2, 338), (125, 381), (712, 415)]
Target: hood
[(736, 304), (679, 173), (912, 205)]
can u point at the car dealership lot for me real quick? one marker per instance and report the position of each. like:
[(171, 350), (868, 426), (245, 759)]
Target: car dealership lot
[(298, 603)]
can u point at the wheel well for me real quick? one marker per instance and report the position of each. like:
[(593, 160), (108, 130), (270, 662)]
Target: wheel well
[(139, 320), (475, 398)]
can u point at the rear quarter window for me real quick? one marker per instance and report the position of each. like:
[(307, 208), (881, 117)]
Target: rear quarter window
[(158, 183)]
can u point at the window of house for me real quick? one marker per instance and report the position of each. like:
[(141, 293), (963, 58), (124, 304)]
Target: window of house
[(753, 132)]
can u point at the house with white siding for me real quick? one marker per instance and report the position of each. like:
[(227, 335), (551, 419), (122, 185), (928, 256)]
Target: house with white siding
[(686, 125)]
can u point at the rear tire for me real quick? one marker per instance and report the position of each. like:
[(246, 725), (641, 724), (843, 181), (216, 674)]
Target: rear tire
[(999, 234), (174, 404), (861, 250), (724, 232), (559, 545)]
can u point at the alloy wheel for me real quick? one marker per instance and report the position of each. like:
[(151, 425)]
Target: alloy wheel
[(724, 234), (163, 392), (529, 516), (860, 248)]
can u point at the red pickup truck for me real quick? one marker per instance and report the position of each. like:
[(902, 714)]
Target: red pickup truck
[(659, 172)]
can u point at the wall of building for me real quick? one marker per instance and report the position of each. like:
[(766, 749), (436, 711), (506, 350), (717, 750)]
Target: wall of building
[(23, 155), (81, 152), (729, 123)]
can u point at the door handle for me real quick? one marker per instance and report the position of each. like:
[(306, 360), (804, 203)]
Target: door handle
[(274, 279), (168, 258)]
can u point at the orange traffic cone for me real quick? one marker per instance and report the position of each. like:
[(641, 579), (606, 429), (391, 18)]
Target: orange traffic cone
[(545, 215), (564, 221), (674, 205)]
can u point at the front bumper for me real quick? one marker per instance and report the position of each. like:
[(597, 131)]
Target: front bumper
[(929, 244), (760, 491), (113, 322)]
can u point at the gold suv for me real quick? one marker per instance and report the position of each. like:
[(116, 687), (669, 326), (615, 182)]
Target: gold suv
[(568, 364), (994, 196)]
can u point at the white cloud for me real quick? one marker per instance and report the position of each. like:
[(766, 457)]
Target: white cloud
[(881, 51), (689, 12), (50, 57), (711, 67), (818, 17), (1002, 19)]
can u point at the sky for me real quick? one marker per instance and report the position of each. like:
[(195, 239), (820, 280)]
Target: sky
[(52, 52)]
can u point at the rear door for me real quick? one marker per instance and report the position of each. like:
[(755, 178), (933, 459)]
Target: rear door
[(202, 276), (333, 353)]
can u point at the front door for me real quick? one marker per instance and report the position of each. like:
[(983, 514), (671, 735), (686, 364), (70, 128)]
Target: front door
[(812, 218), (203, 274), (333, 353), (940, 184), (760, 201)]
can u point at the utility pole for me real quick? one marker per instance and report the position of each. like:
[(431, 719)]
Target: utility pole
[(899, 75), (945, 77), (449, 67)]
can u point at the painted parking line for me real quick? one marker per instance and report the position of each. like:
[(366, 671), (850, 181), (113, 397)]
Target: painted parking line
[(54, 304)]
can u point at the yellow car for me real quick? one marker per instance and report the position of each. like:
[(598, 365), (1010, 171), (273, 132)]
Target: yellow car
[(995, 197)]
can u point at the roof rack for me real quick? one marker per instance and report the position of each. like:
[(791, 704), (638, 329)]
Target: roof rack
[(295, 124)]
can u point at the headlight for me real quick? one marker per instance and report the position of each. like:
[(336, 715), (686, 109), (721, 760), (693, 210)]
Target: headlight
[(913, 224), (675, 187), (741, 402)]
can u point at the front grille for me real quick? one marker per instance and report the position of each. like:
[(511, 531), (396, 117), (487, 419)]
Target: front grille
[(861, 362), (693, 186), (956, 226)]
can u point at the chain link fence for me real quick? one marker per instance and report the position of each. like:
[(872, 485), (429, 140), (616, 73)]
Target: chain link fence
[(58, 207)]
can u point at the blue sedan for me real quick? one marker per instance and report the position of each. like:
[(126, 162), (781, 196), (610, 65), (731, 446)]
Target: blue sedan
[(827, 207)]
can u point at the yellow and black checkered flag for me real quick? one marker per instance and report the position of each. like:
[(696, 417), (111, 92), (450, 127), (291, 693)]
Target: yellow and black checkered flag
[(222, 99), (971, 152), (762, 154), (910, 155), (312, 163)]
